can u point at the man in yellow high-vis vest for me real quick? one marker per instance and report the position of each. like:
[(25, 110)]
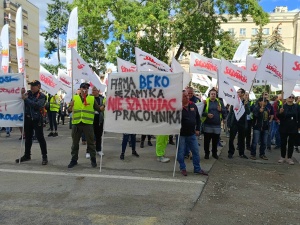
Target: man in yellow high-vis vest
[(54, 108), (83, 107)]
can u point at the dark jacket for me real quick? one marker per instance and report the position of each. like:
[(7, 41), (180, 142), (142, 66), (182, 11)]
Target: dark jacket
[(289, 119), (231, 121), (212, 108), (190, 121), (34, 105), (260, 119), (99, 118)]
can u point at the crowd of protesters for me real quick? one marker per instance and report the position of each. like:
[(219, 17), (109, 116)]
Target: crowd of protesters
[(263, 123)]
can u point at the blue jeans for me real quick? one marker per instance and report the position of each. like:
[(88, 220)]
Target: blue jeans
[(275, 133), (191, 143), (126, 139), (261, 136)]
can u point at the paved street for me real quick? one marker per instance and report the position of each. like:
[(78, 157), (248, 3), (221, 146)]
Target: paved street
[(133, 191)]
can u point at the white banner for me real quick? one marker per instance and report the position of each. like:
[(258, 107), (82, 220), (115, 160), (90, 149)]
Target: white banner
[(65, 80), (291, 68), (202, 65), (242, 51), (235, 74), (48, 82), (201, 79), (72, 37), (270, 67), (5, 48), (147, 62), (144, 103), (20, 44), (125, 66), (177, 68), (95, 81), (11, 104), (80, 68), (227, 91), (239, 109)]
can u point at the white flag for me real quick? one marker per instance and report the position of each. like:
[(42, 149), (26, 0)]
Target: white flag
[(125, 66), (270, 67), (239, 109), (5, 49), (177, 68), (202, 65), (291, 67), (81, 69), (72, 37), (65, 80), (48, 82), (201, 79), (20, 44), (147, 62)]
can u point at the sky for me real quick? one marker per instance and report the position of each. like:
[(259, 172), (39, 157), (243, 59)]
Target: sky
[(268, 6)]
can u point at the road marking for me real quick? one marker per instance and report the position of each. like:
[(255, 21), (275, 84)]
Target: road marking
[(103, 176)]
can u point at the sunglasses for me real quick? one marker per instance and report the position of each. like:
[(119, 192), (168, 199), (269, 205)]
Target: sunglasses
[(292, 97)]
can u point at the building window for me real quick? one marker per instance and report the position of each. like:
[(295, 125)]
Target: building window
[(254, 31), (231, 31), (266, 31), (242, 31)]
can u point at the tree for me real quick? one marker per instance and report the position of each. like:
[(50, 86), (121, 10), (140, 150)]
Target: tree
[(227, 46), (258, 44), (57, 18), (53, 69), (157, 26), (276, 41)]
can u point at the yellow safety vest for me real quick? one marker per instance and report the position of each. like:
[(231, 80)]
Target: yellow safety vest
[(83, 113), (203, 118), (54, 107)]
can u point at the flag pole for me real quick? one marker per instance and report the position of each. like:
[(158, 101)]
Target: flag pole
[(282, 94), (176, 154)]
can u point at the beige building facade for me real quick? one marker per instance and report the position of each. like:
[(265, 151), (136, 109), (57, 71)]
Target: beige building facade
[(8, 10), (289, 29)]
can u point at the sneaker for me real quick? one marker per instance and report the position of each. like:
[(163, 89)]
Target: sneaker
[(297, 150), (163, 159), (7, 135), (243, 157), (100, 153), (277, 147), (87, 155), (24, 158), (72, 164), (206, 156), (55, 134), (122, 156), (171, 142), (201, 172), (183, 172), (45, 161), (135, 154), (83, 142), (149, 143), (281, 160), (253, 157), (263, 157), (50, 134), (142, 144), (290, 161), (93, 162), (215, 155)]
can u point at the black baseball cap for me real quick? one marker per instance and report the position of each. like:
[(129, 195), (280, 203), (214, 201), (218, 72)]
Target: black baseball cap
[(35, 83), (84, 85)]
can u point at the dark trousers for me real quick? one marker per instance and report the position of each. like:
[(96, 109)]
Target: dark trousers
[(37, 126), (98, 131), (52, 120), (62, 117), (214, 138), (248, 133), (286, 139), (77, 130), (143, 138), (237, 128), (126, 139)]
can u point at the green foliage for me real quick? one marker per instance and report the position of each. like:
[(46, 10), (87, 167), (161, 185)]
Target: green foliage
[(276, 41), (57, 18), (227, 46), (53, 69), (157, 26), (257, 43)]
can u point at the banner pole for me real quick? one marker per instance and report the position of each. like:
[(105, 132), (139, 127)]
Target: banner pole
[(101, 156), (282, 94), (22, 133), (176, 154)]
